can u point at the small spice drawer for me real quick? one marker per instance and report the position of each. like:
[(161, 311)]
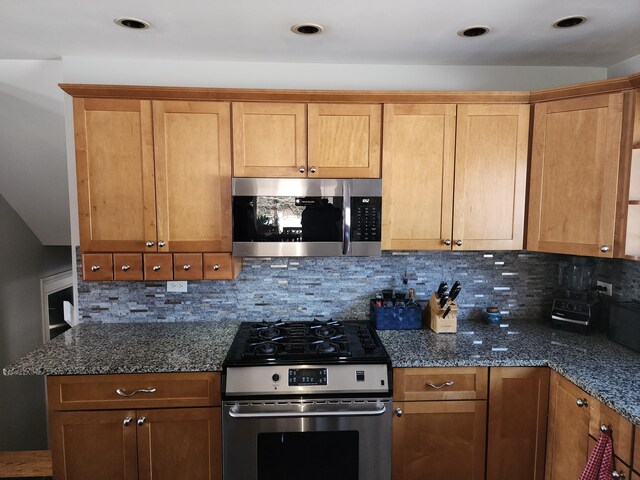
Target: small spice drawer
[(127, 266), (97, 266), (187, 266), (621, 429), (440, 383), (221, 266), (105, 392), (158, 266)]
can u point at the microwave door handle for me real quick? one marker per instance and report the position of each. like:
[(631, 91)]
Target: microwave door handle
[(346, 217)]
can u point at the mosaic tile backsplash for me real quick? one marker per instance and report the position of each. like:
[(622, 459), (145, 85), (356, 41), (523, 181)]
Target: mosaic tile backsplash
[(520, 283)]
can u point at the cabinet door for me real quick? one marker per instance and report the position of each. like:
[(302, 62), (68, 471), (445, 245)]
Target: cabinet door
[(568, 430), (437, 440), (115, 170), (344, 141), (180, 444), (97, 445), (574, 174), (517, 433), (491, 177), (269, 140), (417, 176), (193, 176)]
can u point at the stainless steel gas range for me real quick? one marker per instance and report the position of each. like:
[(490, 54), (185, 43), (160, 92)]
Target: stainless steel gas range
[(307, 401)]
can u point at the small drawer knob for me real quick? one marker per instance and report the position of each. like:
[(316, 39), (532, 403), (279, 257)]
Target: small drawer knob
[(447, 242), (216, 267), (141, 421), (398, 412), (127, 421), (125, 268), (161, 244), (582, 402), (150, 244), (95, 268), (604, 248), (186, 267), (459, 243), (156, 268), (313, 169), (301, 169)]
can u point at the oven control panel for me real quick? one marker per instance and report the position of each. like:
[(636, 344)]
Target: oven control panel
[(305, 379), (307, 376)]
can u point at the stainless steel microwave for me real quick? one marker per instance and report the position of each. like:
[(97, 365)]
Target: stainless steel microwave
[(293, 217)]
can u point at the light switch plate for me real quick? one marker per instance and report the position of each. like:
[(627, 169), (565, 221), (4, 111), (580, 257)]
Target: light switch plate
[(608, 286), (177, 286)]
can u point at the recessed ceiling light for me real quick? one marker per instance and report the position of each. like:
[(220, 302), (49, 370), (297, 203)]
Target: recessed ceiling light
[(134, 23), (572, 21), (307, 29), (475, 31)]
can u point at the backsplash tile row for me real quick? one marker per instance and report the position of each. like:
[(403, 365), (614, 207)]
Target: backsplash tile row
[(520, 283)]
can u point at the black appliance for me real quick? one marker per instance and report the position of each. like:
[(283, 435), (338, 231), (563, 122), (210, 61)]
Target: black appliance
[(624, 324), (576, 306), (294, 392)]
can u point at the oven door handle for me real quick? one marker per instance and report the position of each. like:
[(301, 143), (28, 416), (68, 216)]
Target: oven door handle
[(236, 412), (346, 217)]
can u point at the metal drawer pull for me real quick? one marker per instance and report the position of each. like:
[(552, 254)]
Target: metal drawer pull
[(150, 244), (186, 267), (122, 393), (95, 268), (141, 421), (216, 267), (582, 402), (127, 421), (605, 428), (161, 244), (447, 242), (618, 475), (445, 384), (156, 268)]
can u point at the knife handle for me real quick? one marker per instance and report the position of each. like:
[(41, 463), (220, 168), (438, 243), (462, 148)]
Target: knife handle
[(443, 300)]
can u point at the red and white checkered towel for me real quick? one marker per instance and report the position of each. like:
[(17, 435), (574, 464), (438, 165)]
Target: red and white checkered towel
[(600, 463)]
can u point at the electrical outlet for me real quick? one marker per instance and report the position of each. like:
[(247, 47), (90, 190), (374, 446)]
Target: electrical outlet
[(177, 286), (608, 286)]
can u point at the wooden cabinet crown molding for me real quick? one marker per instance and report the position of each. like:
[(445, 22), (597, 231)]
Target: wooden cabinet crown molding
[(296, 96), (586, 88)]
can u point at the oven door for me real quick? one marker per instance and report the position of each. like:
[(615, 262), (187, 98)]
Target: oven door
[(346, 439)]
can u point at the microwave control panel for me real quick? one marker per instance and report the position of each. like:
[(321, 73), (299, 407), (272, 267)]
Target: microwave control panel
[(365, 219)]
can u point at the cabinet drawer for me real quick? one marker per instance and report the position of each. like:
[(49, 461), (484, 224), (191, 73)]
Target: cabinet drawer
[(621, 429), (221, 266), (441, 383), (158, 266), (187, 266), (97, 266), (127, 266), (87, 392)]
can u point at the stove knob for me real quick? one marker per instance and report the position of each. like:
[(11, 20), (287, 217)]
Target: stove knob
[(275, 377)]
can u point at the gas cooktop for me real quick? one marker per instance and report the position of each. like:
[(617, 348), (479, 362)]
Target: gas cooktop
[(314, 341)]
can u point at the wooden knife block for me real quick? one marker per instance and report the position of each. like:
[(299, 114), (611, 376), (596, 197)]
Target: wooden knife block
[(435, 316)]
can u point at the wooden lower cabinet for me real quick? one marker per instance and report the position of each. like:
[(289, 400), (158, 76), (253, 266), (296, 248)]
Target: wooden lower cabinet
[(438, 440), (516, 437), (171, 444), (568, 429)]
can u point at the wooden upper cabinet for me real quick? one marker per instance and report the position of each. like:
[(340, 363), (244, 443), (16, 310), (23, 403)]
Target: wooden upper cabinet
[(344, 141), (490, 177), (115, 173), (417, 173), (269, 140), (574, 175), (192, 142)]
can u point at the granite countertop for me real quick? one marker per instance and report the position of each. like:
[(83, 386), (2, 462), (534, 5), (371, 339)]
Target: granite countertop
[(605, 370)]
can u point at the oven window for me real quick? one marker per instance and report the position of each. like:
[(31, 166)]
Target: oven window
[(287, 219), (308, 456)]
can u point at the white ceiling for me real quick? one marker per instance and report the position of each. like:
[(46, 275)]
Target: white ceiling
[(419, 32)]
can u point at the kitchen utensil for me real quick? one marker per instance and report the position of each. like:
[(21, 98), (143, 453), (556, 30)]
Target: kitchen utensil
[(441, 289), (443, 300), (446, 312), (455, 291)]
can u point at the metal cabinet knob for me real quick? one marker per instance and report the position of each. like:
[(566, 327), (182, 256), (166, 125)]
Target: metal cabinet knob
[(398, 412), (125, 268), (604, 248), (618, 475), (582, 402), (447, 242), (301, 169), (604, 428), (161, 244), (216, 267), (459, 243), (150, 244), (313, 169), (141, 421), (156, 268), (95, 268), (127, 421), (186, 267)]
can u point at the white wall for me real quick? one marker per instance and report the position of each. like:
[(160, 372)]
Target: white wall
[(624, 68), (33, 173)]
